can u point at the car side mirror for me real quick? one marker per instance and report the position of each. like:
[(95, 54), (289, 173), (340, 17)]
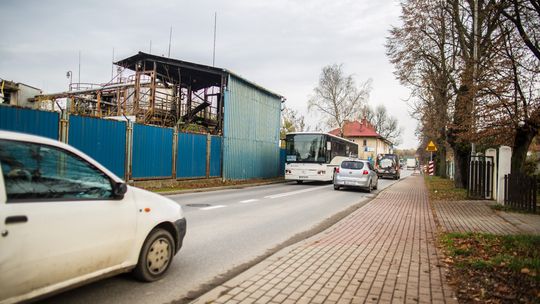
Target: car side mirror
[(119, 189)]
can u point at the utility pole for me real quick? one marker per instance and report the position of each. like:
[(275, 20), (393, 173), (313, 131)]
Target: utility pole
[(214, 51), (170, 38), (79, 81), (112, 65)]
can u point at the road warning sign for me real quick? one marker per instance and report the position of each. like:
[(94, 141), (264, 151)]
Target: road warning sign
[(431, 147)]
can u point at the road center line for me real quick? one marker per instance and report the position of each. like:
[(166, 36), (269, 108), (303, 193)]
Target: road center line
[(292, 192), (249, 201), (213, 207)]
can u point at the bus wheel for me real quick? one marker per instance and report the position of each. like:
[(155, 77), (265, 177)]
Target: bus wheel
[(299, 182)]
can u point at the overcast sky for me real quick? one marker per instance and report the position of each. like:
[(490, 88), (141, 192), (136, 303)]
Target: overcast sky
[(281, 45)]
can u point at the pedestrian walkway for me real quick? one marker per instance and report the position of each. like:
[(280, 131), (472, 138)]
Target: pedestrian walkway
[(478, 216), (384, 252)]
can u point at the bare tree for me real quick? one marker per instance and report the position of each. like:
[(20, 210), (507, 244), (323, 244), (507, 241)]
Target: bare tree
[(291, 121), (522, 47), (424, 52), (386, 125), (473, 67), (337, 98)]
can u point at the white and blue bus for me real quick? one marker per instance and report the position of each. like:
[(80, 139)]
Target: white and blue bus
[(313, 156)]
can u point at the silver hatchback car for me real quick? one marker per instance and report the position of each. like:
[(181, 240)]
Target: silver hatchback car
[(356, 173)]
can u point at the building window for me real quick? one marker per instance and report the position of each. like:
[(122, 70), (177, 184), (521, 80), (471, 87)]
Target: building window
[(365, 142)]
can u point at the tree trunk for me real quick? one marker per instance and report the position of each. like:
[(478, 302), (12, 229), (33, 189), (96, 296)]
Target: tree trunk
[(461, 158), (522, 141), (441, 161)]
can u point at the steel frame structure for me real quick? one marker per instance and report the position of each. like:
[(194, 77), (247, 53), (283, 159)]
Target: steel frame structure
[(157, 90)]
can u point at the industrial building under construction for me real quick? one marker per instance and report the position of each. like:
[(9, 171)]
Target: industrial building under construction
[(154, 90)]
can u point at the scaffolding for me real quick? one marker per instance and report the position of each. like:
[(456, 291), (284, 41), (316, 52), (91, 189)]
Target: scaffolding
[(152, 90)]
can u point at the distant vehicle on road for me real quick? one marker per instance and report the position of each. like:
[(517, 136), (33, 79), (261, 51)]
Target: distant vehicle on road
[(313, 156), (387, 165), (66, 220), (411, 163), (356, 173)]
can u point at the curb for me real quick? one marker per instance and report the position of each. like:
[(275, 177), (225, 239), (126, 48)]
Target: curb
[(239, 186)]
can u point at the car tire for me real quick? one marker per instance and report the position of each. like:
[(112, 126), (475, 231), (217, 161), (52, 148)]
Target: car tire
[(155, 257), (370, 187), (336, 187)]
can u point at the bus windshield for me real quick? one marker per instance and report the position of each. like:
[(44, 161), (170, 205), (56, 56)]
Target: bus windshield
[(306, 148)]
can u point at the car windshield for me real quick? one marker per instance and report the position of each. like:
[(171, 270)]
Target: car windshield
[(354, 165)]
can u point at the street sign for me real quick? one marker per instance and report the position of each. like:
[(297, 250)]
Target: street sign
[(431, 147)]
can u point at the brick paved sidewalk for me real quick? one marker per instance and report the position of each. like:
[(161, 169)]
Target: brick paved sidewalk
[(383, 252), (478, 216)]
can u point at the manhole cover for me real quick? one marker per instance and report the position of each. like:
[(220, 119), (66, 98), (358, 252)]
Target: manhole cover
[(198, 205)]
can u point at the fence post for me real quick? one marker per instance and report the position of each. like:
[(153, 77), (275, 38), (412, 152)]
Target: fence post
[(63, 128), (174, 151), (494, 177), (129, 150), (505, 156), (208, 149)]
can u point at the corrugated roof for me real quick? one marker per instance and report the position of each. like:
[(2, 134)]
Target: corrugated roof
[(203, 75)]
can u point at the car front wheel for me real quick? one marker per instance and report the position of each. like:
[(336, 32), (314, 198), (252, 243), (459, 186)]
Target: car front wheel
[(155, 257)]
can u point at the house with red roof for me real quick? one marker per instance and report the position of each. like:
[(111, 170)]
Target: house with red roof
[(370, 143)]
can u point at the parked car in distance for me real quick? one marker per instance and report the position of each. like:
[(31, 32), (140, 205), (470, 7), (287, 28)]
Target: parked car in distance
[(66, 220), (387, 165), (411, 163), (356, 173)]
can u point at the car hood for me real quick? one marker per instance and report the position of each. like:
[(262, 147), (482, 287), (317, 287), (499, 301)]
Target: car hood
[(147, 199)]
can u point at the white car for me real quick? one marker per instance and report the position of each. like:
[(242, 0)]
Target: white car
[(66, 220)]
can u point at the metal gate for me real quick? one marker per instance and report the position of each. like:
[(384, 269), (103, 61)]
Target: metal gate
[(520, 191), (480, 183)]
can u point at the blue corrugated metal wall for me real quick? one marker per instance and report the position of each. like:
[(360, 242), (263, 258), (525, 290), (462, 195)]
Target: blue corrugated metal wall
[(104, 140), (215, 156), (152, 152), (191, 156), (30, 121), (251, 132)]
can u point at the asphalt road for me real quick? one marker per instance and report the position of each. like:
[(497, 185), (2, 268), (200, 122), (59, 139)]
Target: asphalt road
[(229, 230)]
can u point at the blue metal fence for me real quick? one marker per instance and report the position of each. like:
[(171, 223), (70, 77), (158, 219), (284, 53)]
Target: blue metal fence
[(29, 121), (152, 147), (191, 155), (104, 140), (215, 156), (152, 152)]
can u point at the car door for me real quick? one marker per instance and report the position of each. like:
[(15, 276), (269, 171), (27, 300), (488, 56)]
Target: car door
[(58, 219), (373, 174)]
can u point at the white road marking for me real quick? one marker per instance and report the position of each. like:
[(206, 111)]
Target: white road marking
[(213, 207), (292, 192), (249, 201)]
